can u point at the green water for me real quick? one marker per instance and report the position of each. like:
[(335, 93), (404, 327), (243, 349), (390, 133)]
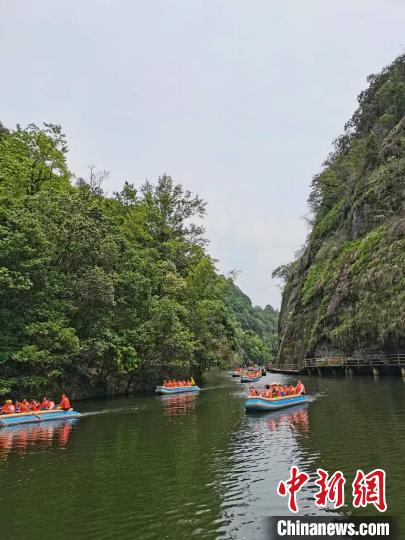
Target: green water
[(195, 466)]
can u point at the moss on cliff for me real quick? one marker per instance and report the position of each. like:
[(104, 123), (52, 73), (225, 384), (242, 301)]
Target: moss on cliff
[(346, 291)]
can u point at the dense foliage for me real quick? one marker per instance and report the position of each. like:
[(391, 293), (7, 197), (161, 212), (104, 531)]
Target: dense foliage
[(346, 291), (105, 294), (256, 326)]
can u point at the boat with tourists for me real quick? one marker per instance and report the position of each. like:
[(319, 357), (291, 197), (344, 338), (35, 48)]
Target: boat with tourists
[(176, 387), (251, 376), (276, 396), (263, 404), (27, 412), (36, 416)]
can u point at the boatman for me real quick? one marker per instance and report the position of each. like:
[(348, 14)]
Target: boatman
[(8, 407), (65, 403), (300, 388)]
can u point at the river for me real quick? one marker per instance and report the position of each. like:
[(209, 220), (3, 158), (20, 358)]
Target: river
[(195, 466)]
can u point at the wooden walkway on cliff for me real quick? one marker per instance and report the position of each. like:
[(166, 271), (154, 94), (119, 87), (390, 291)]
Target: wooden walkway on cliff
[(369, 362)]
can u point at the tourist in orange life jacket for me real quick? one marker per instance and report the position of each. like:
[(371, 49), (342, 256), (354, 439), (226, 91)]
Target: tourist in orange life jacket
[(300, 388), (268, 393), (34, 405), (44, 405), (65, 403), (23, 406), (253, 391), (8, 407)]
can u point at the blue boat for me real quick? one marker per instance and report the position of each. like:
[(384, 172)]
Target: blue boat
[(35, 417), (176, 389), (244, 378), (262, 404)]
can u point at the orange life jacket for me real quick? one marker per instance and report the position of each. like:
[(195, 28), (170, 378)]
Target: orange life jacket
[(65, 403), (23, 407), (8, 408)]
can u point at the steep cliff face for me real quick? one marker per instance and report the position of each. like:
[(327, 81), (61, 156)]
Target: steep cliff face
[(345, 293)]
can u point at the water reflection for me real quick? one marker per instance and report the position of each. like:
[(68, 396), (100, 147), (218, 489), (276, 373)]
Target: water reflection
[(178, 405), (296, 419), (197, 466), (42, 435)]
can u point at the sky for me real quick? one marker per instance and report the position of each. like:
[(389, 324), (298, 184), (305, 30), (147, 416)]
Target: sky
[(238, 100)]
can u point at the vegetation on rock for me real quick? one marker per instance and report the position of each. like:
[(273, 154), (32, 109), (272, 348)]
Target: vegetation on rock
[(345, 293)]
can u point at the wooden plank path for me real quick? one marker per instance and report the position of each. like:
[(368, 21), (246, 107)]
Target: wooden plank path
[(373, 362)]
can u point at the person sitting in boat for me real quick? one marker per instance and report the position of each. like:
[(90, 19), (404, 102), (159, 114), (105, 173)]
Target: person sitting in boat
[(34, 405), (65, 403), (23, 406), (51, 405), (192, 382), (8, 407), (268, 393), (253, 391), (44, 405), (300, 389)]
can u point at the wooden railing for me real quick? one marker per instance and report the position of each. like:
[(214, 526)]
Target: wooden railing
[(365, 360)]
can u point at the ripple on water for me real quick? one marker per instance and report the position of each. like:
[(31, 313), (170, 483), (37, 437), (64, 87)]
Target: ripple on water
[(197, 467)]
